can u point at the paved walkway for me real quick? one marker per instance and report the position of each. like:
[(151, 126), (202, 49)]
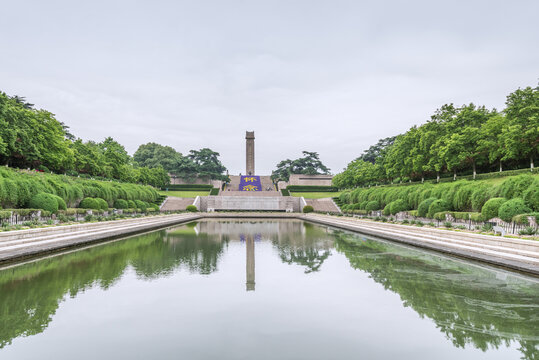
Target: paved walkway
[(25, 243), (519, 254)]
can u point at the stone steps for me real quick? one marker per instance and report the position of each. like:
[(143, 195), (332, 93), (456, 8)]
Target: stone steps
[(176, 203)]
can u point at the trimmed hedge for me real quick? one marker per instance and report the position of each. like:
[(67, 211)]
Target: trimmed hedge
[(387, 210), (214, 191), (61, 203), (44, 201), (437, 206), (372, 206), (191, 208), (90, 203), (121, 204), (423, 208), (531, 196), (511, 208), (397, 206), (311, 188), (491, 208), (188, 187), (308, 209), (285, 192)]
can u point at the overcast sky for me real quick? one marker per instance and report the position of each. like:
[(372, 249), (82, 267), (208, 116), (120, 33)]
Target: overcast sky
[(326, 76)]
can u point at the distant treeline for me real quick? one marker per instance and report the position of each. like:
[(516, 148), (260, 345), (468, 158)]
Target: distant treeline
[(455, 140), (35, 139)]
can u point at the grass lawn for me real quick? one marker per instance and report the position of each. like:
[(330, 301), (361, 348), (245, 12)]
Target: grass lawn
[(185, 194), (316, 195)]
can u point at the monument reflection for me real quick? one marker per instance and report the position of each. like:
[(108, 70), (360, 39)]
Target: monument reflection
[(295, 241)]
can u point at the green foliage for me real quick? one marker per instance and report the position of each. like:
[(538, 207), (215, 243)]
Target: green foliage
[(309, 188), (90, 203), (308, 209), (456, 139), (372, 205), (309, 164), (61, 203), (121, 204), (531, 195), (103, 205), (512, 207), (285, 192), (131, 204), (214, 192), (44, 201), (516, 186), (387, 210), (528, 231), (423, 208), (191, 208), (397, 206), (491, 208), (437, 206), (141, 205)]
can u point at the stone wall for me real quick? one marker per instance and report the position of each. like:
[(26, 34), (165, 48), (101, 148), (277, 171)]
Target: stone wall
[(246, 203), (306, 180)]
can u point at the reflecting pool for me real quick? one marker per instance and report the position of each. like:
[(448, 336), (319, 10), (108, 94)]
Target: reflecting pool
[(280, 289)]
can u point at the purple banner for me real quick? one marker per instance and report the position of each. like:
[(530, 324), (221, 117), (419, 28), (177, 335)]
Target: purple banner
[(250, 183)]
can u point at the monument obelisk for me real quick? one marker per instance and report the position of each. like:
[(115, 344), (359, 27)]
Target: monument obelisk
[(250, 152)]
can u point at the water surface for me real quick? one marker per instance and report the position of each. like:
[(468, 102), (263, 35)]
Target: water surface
[(279, 289)]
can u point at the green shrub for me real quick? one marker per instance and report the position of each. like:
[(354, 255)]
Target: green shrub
[(515, 186), (121, 204), (61, 203), (214, 191), (531, 196), (103, 205), (387, 210), (437, 206), (285, 192), (44, 201), (527, 231), (511, 208), (440, 215), (491, 208), (141, 205), (308, 209), (397, 206), (480, 196), (423, 208), (413, 213), (521, 219), (372, 206), (89, 203), (487, 227), (448, 224), (131, 204), (191, 208)]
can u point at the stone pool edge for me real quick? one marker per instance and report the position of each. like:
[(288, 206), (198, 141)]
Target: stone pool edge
[(115, 229)]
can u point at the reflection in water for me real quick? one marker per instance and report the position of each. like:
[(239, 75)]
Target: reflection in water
[(250, 263), (471, 305)]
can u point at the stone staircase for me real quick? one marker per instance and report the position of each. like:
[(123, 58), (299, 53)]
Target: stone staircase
[(323, 205), (176, 203)]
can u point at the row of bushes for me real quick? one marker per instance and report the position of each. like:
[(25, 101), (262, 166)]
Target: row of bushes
[(311, 188), (19, 187), (516, 195), (214, 191), (100, 204)]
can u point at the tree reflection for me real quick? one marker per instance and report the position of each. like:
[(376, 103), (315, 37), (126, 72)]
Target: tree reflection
[(471, 305), (30, 294), (308, 248)]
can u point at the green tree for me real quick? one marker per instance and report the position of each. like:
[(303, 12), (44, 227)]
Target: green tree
[(521, 137), (208, 164), (309, 164)]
